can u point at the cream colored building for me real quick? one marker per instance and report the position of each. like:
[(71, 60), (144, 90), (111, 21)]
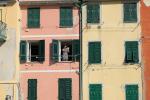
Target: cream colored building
[(9, 49), (116, 77)]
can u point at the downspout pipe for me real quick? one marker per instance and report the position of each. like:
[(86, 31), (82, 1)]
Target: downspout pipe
[(80, 63)]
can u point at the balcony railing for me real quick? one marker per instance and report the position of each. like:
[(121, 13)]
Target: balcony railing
[(3, 34)]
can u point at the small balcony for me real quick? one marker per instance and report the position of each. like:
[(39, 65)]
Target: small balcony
[(3, 34)]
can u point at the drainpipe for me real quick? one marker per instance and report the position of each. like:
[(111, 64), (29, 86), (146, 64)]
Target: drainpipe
[(79, 6), (80, 38)]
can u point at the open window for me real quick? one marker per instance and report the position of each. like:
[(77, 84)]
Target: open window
[(32, 51), (65, 50)]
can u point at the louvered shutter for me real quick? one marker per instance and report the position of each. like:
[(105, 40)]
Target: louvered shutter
[(33, 17), (132, 92), (97, 51), (42, 50), (130, 12), (95, 91), (94, 52), (32, 89), (65, 89), (93, 13), (55, 50), (23, 53), (76, 50), (66, 17), (131, 55)]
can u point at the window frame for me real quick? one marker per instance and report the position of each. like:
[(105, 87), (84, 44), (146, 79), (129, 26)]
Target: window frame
[(28, 51), (100, 62), (96, 84), (137, 9), (60, 52), (125, 59), (38, 26), (100, 14), (125, 90), (65, 26)]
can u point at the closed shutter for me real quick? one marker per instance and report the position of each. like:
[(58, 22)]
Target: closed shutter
[(132, 92), (55, 50), (66, 17), (65, 89), (132, 55), (76, 50), (135, 52), (23, 48), (32, 89), (128, 52), (93, 13), (33, 17), (130, 12), (95, 91), (42, 50), (94, 52)]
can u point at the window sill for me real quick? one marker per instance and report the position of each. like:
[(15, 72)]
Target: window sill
[(33, 62), (65, 26), (131, 63), (130, 22), (93, 23), (33, 27), (94, 63), (65, 61)]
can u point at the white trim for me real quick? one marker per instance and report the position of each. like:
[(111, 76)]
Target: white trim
[(45, 36), (47, 71)]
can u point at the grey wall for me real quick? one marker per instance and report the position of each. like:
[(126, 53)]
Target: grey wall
[(8, 56)]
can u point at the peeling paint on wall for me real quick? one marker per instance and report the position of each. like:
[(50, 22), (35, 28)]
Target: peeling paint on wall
[(8, 56), (147, 2)]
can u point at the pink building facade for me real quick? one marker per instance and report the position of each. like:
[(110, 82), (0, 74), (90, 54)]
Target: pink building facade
[(47, 71)]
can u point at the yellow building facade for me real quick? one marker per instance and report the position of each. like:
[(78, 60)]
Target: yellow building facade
[(111, 73), (9, 49)]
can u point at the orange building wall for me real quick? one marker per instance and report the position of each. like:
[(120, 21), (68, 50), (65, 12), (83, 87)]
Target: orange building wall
[(145, 25)]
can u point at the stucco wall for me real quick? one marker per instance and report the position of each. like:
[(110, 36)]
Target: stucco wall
[(47, 84), (145, 25), (47, 73), (9, 50), (112, 32)]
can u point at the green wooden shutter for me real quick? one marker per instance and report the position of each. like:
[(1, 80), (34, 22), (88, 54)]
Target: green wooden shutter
[(130, 12), (55, 50), (132, 92), (76, 50), (132, 55), (65, 89), (128, 52), (33, 17), (32, 89), (66, 17), (95, 92), (61, 89), (68, 85), (135, 52), (97, 51), (23, 48), (42, 50), (94, 52), (93, 13)]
